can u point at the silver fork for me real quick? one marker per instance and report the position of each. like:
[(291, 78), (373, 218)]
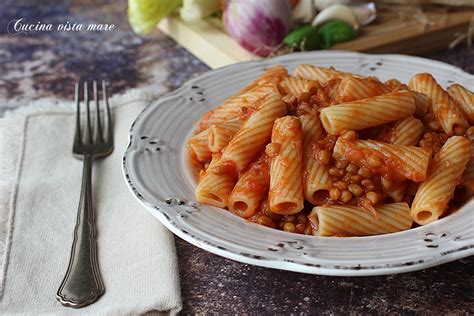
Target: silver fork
[(82, 285)]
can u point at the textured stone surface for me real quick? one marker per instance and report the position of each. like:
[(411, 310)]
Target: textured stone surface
[(45, 65)]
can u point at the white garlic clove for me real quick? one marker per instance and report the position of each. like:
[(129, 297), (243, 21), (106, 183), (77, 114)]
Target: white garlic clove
[(336, 12), (304, 11), (323, 4), (365, 13)]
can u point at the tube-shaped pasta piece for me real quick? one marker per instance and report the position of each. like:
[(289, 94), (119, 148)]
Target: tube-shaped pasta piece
[(220, 134), (312, 130), (286, 191), (316, 179), (398, 162), (464, 99), (422, 103), (407, 132), (396, 84), (254, 134), (345, 220), (198, 145), (357, 115), (296, 86), (353, 88), (237, 106), (468, 177), (273, 74), (433, 195), (397, 192), (214, 188), (320, 74), (251, 188), (445, 110)]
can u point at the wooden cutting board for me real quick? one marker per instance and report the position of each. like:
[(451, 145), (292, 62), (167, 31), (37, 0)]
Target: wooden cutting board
[(391, 32)]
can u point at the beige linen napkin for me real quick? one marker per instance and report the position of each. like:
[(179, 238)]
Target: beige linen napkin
[(39, 192)]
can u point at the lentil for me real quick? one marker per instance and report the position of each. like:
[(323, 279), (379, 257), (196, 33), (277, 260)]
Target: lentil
[(340, 185), (289, 227), (302, 219), (303, 97), (458, 130), (372, 197), (335, 194), (386, 183), (324, 157), (349, 135), (355, 179), (265, 220), (272, 149), (365, 172), (351, 168), (335, 172), (346, 196), (470, 133), (300, 228), (341, 164), (434, 125), (374, 161), (355, 189), (368, 184)]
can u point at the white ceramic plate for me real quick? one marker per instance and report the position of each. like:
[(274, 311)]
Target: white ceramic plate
[(156, 169)]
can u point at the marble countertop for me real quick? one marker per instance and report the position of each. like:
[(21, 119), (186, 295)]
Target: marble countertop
[(46, 64)]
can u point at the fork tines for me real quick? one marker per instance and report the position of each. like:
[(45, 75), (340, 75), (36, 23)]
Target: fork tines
[(100, 133)]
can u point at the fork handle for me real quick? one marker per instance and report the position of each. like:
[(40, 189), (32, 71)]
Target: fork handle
[(82, 285)]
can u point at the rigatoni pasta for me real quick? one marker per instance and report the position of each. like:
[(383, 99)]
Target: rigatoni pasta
[(214, 187), (464, 99), (316, 178), (407, 132), (431, 199), (340, 220), (254, 134), (353, 88), (446, 111), (320, 74), (360, 114), (401, 162), (297, 86), (198, 146), (422, 103), (238, 106), (286, 191), (219, 135), (251, 189), (467, 179), (330, 153)]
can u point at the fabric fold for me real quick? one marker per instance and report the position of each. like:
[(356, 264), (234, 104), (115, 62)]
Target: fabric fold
[(39, 192)]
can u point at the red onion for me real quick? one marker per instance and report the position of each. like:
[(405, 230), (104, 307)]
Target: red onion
[(258, 25)]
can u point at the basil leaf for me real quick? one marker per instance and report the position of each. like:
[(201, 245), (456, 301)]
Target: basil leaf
[(303, 38), (335, 32)]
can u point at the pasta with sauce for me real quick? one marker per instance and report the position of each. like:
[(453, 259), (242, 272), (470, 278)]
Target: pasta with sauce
[(329, 153)]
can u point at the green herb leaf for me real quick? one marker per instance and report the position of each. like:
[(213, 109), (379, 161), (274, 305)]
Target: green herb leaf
[(303, 38), (335, 32)]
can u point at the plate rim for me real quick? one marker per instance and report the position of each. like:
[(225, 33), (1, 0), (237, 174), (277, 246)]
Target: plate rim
[(359, 270)]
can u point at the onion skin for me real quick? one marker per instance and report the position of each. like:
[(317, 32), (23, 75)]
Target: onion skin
[(258, 26)]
